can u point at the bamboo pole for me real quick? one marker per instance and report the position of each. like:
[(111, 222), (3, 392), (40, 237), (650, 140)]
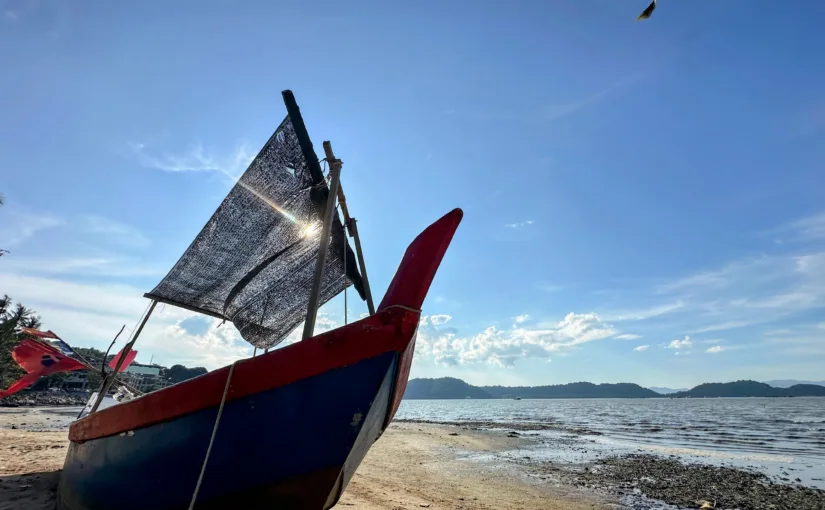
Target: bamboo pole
[(352, 228), (314, 295), (110, 379)]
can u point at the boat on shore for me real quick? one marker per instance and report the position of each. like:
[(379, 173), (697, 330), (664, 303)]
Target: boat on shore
[(289, 427)]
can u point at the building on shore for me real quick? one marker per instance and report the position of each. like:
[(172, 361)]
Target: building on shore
[(76, 381), (145, 378)]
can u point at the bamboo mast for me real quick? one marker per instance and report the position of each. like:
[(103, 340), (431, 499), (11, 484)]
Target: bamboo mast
[(352, 228), (329, 212)]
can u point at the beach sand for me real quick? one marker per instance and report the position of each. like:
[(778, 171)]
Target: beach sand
[(412, 466)]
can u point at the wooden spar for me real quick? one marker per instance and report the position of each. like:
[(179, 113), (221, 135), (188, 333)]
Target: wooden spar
[(329, 212), (110, 379), (352, 228)]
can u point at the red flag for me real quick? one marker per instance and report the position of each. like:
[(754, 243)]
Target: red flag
[(39, 359), (129, 359), (39, 334)]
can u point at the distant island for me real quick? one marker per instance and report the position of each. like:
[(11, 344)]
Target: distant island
[(666, 391), (452, 388)]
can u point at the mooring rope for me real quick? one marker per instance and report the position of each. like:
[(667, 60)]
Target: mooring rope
[(212, 439)]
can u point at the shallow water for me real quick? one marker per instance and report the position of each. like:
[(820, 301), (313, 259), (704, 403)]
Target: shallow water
[(783, 437)]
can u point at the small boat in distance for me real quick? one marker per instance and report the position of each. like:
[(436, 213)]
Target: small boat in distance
[(287, 428)]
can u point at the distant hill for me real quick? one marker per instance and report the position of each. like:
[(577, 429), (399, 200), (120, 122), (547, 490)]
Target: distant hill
[(750, 389), (443, 388), (452, 388), (572, 390), (787, 383), (449, 388), (666, 391)]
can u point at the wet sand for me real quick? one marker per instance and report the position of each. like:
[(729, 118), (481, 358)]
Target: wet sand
[(412, 466)]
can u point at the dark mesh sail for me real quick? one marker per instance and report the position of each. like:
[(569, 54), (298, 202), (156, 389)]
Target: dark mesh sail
[(254, 261)]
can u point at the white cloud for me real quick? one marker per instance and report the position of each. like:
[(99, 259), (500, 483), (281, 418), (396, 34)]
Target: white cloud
[(681, 353), (680, 344), (715, 349), (548, 287), (810, 228), (521, 318), (80, 266), (112, 229), (724, 326), (18, 226), (641, 348), (196, 159), (627, 336), (504, 347), (644, 313), (438, 320), (105, 299), (520, 224), (697, 281), (777, 332), (219, 346), (558, 111)]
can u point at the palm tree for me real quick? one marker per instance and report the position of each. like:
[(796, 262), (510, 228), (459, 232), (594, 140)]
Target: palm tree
[(12, 318)]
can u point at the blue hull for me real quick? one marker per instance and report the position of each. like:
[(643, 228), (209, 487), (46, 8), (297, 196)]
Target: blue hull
[(295, 446)]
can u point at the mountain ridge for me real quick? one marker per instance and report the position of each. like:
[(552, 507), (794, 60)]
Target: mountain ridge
[(787, 383), (452, 388)]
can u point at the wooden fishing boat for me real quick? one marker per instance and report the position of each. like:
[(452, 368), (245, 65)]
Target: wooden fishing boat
[(285, 429)]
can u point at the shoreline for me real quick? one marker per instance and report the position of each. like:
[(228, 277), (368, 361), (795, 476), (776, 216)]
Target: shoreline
[(460, 466), (412, 466), (644, 480)]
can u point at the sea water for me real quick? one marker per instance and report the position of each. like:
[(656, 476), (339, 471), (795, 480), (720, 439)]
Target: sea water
[(782, 437)]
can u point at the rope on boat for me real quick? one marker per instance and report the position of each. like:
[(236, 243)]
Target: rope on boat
[(212, 439), (407, 308)]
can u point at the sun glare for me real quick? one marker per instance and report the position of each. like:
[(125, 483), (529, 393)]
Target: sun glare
[(310, 230)]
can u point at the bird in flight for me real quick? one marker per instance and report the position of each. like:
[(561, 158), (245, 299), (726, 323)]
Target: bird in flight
[(647, 12)]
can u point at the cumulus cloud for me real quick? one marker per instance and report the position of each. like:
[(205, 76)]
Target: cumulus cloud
[(521, 318), (641, 348), (437, 320), (627, 336), (680, 344), (503, 347), (210, 344), (715, 349)]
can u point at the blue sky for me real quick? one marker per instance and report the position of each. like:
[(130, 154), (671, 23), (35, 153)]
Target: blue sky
[(643, 201)]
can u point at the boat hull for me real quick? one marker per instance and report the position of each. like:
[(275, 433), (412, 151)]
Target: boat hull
[(295, 425), (289, 447)]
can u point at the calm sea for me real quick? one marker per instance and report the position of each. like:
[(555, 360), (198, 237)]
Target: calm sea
[(784, 437)]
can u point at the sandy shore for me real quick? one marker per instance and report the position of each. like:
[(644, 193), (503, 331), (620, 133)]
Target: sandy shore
[(412, 466)]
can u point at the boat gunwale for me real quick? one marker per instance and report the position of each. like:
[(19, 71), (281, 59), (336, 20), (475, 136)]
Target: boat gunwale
[(388, 330)]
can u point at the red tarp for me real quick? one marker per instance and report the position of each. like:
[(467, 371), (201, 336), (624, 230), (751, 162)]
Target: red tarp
[(39, 359)]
